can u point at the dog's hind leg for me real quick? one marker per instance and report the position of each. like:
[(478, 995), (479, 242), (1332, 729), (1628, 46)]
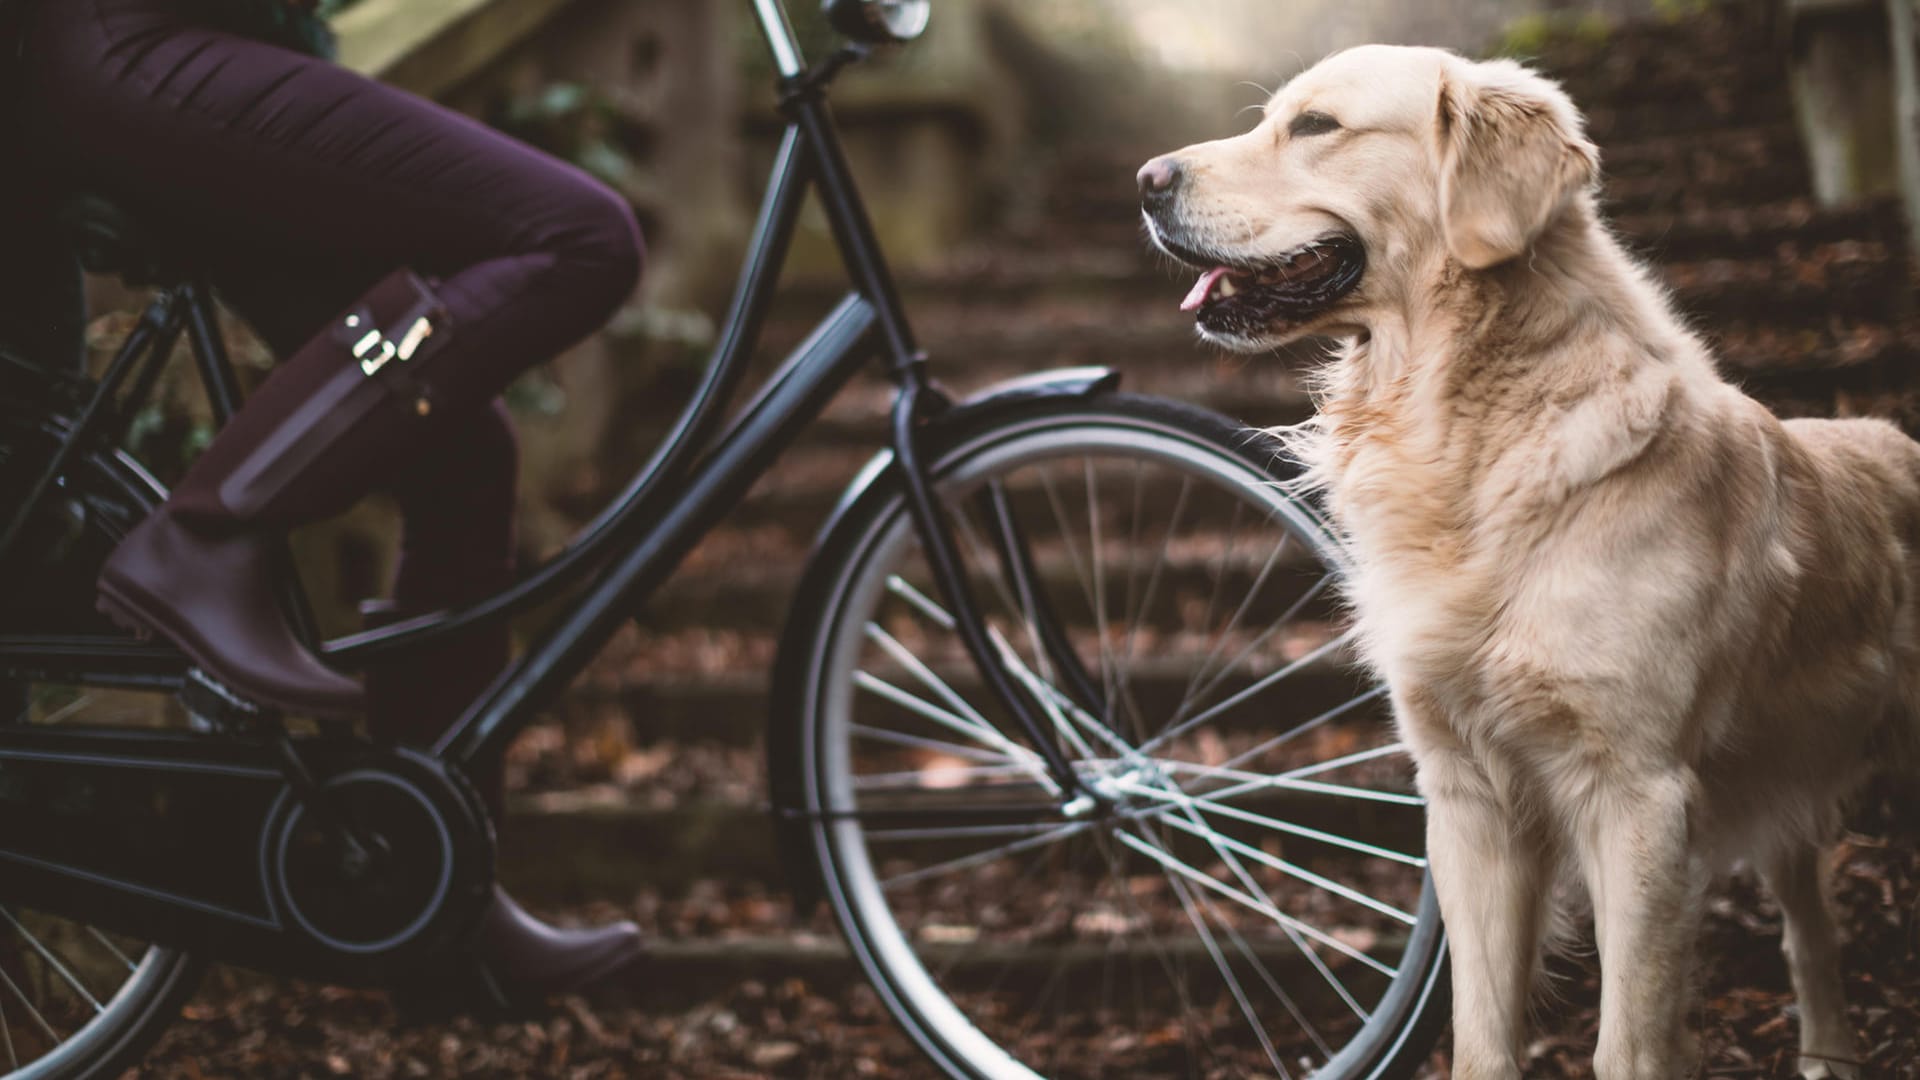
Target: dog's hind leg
[(1646, 884), (1813, 956), (1495, 891)]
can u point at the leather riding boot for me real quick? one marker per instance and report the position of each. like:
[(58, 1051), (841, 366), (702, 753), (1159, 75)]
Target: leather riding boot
[(316, 435), (525, 959), (413, 698)]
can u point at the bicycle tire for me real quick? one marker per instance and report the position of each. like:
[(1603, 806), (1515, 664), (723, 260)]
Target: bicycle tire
[(837, 605), (103, 496)]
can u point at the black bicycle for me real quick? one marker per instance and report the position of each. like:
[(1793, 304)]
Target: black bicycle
[(1063, 733)]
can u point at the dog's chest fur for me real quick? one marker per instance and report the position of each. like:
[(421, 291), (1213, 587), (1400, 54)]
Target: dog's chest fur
[(1464, 491), (1568, 575)]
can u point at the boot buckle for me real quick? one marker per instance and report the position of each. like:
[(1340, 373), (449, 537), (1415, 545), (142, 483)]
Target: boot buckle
[(375, 349)]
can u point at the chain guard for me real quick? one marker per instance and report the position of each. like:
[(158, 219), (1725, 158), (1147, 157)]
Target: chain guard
[(204, 843)]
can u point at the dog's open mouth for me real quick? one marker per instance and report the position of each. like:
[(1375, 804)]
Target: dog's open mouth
[(1242, 300)]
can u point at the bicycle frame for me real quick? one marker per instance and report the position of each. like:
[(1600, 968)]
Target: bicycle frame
[(698, 475)]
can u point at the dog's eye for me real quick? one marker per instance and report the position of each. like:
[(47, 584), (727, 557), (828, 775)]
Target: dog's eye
[(1312, 123)]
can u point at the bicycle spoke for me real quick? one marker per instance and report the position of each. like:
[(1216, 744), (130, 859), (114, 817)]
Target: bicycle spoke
[(1256, 688), (1153, 579), (114, 949), (6, 1040), (964, 719), (1177, 798), (1023, 586), (1066, 534), (68, 709), (921, 602), (1305, 726), (1100, 619), (53, 961), (980, 554), (1223, 566), (1258, 782), (31, 1011), (1198, 827), (920, 742), (979, 858), (960, 832), (916, 779), (1223, 847), (1255, 904), (1174, 968), (1061, 706), (1284, 620), (1227, 904), (1213, 951), (1039, 688)]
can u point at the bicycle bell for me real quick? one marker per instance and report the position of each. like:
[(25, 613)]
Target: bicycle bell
[(879, 21)]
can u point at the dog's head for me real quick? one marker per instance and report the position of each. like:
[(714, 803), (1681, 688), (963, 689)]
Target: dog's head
[(1365, 175)]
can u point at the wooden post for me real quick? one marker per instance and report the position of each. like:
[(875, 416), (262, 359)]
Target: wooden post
[(1903, 19), (1841, 73)]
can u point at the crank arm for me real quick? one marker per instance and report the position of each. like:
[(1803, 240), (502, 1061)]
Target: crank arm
[(204, 843)]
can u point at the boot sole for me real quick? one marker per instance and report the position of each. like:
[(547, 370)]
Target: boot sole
[(125, 612)]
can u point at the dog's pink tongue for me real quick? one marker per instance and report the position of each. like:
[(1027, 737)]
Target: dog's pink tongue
[(1203, 288)]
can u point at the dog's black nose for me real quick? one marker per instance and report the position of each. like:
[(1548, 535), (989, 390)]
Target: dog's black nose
[(1158, 179)]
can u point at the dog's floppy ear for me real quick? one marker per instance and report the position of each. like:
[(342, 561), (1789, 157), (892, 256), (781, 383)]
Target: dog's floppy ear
[(1512, 155)]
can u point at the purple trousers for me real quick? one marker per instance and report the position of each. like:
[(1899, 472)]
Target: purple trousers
[(296, 185)]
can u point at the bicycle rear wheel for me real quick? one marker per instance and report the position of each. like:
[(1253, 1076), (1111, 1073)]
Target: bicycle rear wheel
[(75, 1001), (1255, 903)]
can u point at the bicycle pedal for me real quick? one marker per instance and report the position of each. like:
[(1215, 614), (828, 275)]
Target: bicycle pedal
[(214, 708)]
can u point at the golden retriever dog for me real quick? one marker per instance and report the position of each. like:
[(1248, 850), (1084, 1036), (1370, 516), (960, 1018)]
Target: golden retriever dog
[(1634, 627)]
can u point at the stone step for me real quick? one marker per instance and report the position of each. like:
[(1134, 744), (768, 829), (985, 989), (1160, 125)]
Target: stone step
[(1758, 230), (1708, 168), (1623, 75), (1848, 280), (682, 970), (1709, 155), (601, 842), (721, 696), (747, 590), (1737, 149), (1707, 184), (804, 485), (1851, 278), (1672, 232)]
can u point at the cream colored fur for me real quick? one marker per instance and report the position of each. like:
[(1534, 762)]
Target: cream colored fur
[(1634, 626)]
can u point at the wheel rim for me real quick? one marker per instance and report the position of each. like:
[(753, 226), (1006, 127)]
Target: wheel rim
[(69, 993), (73, 997), (1279, 936)]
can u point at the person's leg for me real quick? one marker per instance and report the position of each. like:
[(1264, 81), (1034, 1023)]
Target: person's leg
[(241, 149), (456, 503), (41, 307), (457, 506), (456, 497), (241, 145)]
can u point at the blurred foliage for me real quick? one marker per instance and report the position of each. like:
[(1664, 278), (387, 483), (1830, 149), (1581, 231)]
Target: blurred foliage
[(1675, 10), (579, 124), (166, 438), (1531, 35)]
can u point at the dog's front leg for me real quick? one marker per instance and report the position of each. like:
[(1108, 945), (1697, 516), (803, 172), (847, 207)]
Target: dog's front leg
[(1646, 886), (1813, 955), (1493, 890)]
